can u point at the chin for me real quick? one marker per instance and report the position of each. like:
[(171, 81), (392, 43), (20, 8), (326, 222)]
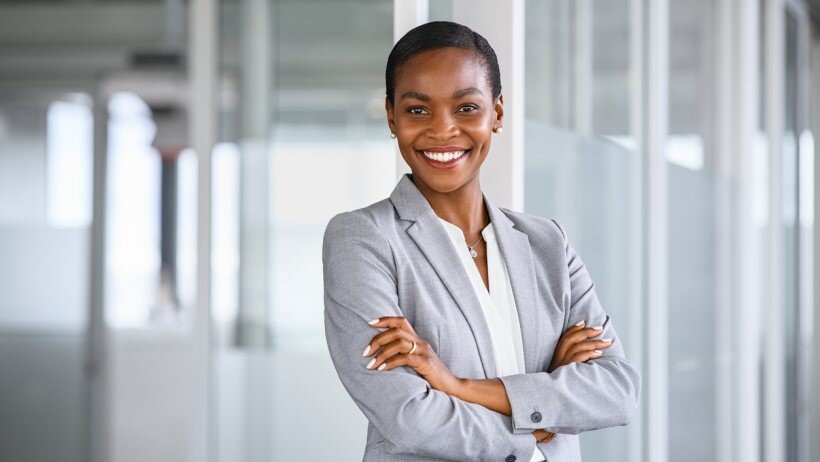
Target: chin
[(441, 183)]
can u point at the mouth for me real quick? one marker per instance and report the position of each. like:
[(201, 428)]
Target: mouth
[(444, 158)]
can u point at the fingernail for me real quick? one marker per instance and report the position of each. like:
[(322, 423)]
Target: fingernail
[(366, 350), (371, 363), (381, 368), (579, 324), (606, 340), (598, 328), (375, 321), (598, 352)]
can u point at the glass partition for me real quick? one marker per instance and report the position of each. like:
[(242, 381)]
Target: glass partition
[(698, 216), (582, 164), (46, 151), (303, 137)]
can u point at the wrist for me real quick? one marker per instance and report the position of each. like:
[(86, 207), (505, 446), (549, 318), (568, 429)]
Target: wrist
[(457, 387)]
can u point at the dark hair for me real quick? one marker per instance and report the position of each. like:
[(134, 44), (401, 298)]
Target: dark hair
[(441, 34)]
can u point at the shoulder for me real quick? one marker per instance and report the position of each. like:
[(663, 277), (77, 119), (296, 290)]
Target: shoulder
[(358, 228), (360, 221)]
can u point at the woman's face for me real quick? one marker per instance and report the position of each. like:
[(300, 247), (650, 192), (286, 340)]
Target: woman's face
[(443, 117)]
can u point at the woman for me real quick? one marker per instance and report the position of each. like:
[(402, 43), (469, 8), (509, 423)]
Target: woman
[(464, 331)]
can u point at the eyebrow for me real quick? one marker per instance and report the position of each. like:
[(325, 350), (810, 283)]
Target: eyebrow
[(458, 94), (414, 95), (467, 91)]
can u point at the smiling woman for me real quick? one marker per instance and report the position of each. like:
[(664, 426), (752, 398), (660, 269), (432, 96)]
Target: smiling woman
[(483, 337)]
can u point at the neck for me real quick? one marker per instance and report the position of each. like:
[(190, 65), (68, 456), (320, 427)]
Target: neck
[(463, 207)]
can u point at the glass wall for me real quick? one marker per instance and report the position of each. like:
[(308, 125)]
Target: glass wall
[(582, 166), (699, 213), (304, 133), (46, 151), (303, 136)]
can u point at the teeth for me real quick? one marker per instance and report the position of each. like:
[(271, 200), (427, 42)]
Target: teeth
[(443, 156)]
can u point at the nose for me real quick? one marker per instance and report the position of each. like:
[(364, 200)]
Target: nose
[(442, 127)]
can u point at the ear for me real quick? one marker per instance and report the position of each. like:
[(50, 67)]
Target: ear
[(499, 112), (391, 115)]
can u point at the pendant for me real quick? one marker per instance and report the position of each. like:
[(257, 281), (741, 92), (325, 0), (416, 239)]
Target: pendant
[(473, 253)]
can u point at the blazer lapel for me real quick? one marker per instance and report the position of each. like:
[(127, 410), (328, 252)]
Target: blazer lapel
[(517, 252), (432, 239)]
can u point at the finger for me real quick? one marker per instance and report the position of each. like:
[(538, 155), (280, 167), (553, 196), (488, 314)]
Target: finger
[(398, 347), (594, 331), (588, 345), (399, 360), (383, 338), (575, 327), (582, 334), (584, 356), (398, 322), (570, 338)]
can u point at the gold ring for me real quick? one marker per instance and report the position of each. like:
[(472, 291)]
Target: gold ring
[(412, 349)]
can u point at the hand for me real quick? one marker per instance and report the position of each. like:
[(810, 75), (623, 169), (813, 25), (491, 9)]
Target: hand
[(575, 346), (543, 436), (392, 348)]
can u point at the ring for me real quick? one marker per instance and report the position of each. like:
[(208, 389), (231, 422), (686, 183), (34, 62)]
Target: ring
[(412, 349)]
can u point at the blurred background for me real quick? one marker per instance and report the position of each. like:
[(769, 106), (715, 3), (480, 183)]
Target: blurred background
[(167, 168)]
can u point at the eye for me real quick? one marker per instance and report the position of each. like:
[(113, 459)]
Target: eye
[(416, 110), (468, 108)]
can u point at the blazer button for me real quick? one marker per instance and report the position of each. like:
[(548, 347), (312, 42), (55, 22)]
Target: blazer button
[(536, 417), (510, 458)]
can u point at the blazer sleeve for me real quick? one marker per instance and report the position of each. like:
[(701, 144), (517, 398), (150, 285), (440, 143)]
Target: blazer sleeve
[(577, 397), (361, 285)]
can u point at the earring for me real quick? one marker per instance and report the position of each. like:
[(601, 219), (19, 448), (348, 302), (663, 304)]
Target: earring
[(392, 135), (498, 129)]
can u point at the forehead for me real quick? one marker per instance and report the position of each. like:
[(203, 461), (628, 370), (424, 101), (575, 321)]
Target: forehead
[(442, 71)]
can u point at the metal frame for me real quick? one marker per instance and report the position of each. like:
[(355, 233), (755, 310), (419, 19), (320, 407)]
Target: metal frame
[(638, 253), (724, 135), (656, 328), (97, 338), (203, 39), (253, 326), (804, 228), (773, 383), (746, 312)]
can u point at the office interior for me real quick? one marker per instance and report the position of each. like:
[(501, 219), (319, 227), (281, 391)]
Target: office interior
[(167, 168)]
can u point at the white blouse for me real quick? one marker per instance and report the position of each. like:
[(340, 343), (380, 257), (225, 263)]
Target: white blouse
[(498, 304)]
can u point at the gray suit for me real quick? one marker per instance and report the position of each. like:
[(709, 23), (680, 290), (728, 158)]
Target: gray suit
[(394, 258)]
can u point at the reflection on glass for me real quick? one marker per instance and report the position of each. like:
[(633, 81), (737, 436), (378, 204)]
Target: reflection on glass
[(70, 150), (582, 162), (151, 213), (132, 210), (225, 252)]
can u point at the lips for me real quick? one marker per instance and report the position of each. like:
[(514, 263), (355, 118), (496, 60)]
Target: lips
[(444, 157)]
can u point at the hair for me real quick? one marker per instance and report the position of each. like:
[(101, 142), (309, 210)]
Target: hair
[(441, 34)]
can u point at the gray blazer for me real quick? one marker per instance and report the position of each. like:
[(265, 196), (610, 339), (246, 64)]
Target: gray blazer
[(394, 258)]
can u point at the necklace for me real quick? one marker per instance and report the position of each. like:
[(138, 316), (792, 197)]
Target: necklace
[(473, 251)]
